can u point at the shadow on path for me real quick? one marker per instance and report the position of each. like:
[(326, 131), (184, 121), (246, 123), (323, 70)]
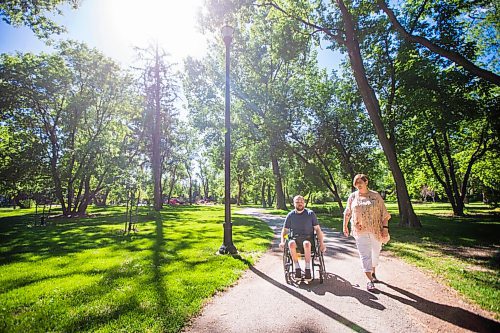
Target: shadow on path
[(452, 314), (355, 327), (340, 287)]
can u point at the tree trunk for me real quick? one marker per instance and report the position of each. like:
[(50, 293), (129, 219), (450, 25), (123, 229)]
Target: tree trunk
[(278, 184), (269, 196), (156, 138), (86, 198), (172, 183), (240, 192), (263, 194), (190, 190), (56, 176), (407, 214), (334, 190)]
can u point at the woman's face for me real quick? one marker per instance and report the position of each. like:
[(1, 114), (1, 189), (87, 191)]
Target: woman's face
[(360, 184)]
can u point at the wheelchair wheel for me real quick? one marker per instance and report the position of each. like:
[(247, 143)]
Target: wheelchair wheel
[(287, 263), (319, 261), (322, 269)]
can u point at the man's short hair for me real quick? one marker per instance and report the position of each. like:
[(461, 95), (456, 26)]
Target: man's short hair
[(295, 198)]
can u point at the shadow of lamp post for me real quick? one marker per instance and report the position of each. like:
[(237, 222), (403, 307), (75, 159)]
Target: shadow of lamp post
[(227, 247)]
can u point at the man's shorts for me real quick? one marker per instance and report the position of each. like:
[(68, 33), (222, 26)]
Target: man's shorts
[(299, 240)]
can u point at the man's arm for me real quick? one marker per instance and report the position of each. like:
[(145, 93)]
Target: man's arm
[(284, 232), (321, 237)]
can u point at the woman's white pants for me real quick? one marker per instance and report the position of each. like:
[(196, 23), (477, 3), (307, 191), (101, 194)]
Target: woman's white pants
[(369, 250)]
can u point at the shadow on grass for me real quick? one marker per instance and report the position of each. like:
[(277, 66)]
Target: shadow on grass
[(162, 239), (66, 236), (469, 238), (157, 282), (454, 315)]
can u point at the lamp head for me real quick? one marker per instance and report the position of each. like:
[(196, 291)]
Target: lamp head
[(227, 34)]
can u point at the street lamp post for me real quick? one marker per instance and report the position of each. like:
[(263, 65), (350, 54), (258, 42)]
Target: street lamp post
[(227, 246)]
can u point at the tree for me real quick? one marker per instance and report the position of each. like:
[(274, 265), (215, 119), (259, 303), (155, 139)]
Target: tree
[(448, 121), (34, 14), (22, 166), (72, 102), (346, 34), (159, 88)]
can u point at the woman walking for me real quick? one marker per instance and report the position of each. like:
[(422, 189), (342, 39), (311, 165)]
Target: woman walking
[(369, 225)]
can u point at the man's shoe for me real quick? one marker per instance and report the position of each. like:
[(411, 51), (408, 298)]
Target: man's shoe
[(375, 280), (298, 273), (308, 276), (370, 286)]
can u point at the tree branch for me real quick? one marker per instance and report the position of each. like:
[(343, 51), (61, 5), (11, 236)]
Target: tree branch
[(337, 37), (451, 55)]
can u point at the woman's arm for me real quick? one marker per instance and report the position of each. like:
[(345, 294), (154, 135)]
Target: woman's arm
[(347, 216)]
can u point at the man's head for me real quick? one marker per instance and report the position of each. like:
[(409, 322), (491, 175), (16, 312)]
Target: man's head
[(298, 203)]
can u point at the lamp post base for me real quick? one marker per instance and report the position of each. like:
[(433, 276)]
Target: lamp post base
[(228, 249)]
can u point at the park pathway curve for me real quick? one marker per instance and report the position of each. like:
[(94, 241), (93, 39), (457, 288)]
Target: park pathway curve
[(407, 300)]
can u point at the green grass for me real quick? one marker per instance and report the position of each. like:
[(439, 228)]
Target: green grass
[(462, 252), (85, 275)]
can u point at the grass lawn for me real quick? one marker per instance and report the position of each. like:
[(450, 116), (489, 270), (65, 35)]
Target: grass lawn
[(85, 275), (462, 252)]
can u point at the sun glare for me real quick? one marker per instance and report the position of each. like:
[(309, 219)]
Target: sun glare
[(171, 23)]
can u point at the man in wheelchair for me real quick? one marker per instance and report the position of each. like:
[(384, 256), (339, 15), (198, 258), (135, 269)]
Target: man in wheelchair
[(301, 224)]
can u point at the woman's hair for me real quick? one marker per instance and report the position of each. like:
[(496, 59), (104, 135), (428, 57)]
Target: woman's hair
[(361, 176)]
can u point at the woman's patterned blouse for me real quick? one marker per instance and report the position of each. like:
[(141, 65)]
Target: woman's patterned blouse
[(367, 212)]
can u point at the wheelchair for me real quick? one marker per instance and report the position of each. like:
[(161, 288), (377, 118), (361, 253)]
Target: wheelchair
[(317, 261)]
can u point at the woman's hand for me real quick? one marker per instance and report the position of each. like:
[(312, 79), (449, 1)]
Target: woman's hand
[(346, 231)]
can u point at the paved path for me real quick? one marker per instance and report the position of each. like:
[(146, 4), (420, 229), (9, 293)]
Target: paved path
[(406, 301)]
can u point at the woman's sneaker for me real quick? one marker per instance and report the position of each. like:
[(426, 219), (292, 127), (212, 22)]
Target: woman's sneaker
[(370, 286), (298, 273)]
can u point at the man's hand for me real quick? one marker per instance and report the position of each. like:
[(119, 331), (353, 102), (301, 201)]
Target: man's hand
[(346, 231), (322, 247)]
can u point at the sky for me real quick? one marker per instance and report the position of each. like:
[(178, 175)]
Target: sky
[(115, 27)]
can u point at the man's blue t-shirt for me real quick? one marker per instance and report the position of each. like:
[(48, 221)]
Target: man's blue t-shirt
[(301, 224)]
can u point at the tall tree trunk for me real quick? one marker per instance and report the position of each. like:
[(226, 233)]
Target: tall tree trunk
[(240, 192), (56, 176), (407, 214), (334, 190), (278, 183), (190, 190), (263, 194), (156, 138), (269, 196), (172, 183)]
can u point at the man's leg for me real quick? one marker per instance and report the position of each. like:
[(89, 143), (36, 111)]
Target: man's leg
[(307, 258), (292, 245)]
